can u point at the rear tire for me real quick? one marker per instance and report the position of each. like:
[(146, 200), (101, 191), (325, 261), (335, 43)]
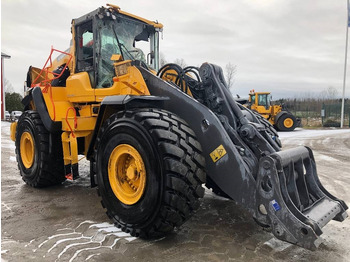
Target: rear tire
[(286, 122), (38, 152), (161, 189)]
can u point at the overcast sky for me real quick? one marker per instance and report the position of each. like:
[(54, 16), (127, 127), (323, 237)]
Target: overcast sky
[(292, 48)]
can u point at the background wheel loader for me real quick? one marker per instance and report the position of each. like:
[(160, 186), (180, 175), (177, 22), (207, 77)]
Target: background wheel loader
[(153, 141), (276, 114)]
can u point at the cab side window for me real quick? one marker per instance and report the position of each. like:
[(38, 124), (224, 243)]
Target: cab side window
[(253, 99), (85, 47)]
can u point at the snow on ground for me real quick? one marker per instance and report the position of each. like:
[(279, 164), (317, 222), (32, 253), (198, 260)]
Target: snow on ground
[(300, 132), (5, 127)]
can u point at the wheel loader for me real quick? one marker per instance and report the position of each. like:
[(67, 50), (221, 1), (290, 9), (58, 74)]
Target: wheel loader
[(276, 114), (155, 136)]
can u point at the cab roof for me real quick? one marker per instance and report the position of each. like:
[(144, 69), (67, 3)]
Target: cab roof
[(112, 10)]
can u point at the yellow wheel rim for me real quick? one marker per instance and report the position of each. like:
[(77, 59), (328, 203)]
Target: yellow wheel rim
[(288, 122), (127, 174), (27, 149)]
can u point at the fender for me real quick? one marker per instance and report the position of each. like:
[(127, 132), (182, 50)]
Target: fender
[(118, 103), (38, 98)]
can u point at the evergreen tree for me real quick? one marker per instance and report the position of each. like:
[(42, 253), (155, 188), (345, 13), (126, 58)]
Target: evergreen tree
[(13, 102)]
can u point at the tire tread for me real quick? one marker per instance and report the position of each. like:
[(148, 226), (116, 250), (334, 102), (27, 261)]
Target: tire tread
[(183, 166), (50, 168)]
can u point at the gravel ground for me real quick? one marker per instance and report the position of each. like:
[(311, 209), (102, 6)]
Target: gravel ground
[(67, 223)]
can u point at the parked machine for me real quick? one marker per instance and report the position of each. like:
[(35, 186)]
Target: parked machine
[(7, 116), (279, 117), (153, 139), (15, 115)]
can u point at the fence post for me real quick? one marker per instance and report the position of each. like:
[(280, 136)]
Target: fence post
[(323, 112)]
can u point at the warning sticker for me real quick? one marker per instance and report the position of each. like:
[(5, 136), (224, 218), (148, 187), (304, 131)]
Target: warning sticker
[(218, 153)]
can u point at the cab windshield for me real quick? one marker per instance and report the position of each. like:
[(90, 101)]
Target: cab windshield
[(129, 38), (264, 100)]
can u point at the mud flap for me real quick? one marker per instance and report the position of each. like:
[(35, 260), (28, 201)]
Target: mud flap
[(291, 199)]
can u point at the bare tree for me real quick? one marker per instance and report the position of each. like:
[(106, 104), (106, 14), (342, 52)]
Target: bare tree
[(330, 93), (8, 86), (181, 62), (230, 71)]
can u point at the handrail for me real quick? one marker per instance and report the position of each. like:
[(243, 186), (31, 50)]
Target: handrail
[(46, 83), (75, 120), (46, 68)]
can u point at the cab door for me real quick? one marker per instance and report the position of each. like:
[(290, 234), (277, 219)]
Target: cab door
[(263, 105), (80, 85)]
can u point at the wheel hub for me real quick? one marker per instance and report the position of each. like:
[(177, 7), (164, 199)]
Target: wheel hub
[(288, 122), (131, 172), (27, 149), (127, 174)]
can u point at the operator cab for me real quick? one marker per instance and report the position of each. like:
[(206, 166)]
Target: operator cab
[(110, 31), (260, 99), (264, 100)]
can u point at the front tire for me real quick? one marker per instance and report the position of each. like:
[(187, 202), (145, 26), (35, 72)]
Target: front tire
[(38, 152), (287, 122), (149, 171)]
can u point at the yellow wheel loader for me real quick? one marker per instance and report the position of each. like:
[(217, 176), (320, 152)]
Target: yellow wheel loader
[(279, 117), (155, 137)]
